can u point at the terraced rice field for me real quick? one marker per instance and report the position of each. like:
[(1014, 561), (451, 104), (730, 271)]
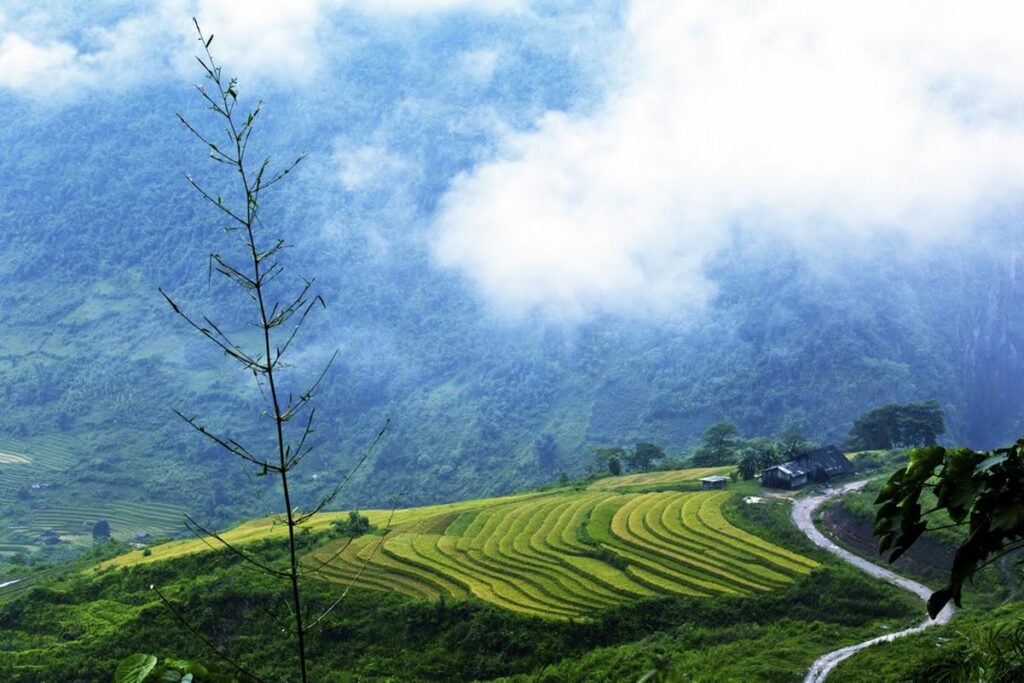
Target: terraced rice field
[(29, 462), (657, 479), (18, 470), (557, 555), (12, 459), (126, 520), (268, 528), (567, 555), (36, 464)]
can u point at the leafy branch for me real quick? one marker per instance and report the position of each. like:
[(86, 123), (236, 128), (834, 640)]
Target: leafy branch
[(982, 491)]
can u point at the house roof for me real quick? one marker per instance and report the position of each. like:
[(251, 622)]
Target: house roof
[(714, 479), (790, 468), (829, 459)]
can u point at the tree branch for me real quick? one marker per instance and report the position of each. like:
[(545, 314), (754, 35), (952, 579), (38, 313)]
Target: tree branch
[(206, 641), (359, 574), (202, 533)]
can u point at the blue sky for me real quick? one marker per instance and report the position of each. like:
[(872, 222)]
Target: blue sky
[(581, 158)]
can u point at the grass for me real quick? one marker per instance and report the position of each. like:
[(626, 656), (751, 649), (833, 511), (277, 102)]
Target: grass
[(563, 554)]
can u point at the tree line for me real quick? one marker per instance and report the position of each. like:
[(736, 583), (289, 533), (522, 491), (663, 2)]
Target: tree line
[(882, 428)]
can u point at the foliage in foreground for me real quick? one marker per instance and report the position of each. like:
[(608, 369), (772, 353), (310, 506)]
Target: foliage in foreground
[(983, 491), (143, 668)]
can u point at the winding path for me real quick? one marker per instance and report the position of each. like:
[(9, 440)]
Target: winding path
[(803, 511)]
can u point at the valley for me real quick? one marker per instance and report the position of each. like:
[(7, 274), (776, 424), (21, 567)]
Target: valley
[(511, 341)]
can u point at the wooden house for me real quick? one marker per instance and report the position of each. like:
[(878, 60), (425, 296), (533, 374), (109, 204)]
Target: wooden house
[(819, 465)]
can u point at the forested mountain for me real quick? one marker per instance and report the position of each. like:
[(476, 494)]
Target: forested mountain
[(96, 215)]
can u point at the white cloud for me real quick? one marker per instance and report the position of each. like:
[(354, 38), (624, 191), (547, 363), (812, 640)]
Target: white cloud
[(287, 41), (30, 67), (368, 167), (277, 40), (811, 122), (110, 58), (400, 7), (282, 41), (478, 65)]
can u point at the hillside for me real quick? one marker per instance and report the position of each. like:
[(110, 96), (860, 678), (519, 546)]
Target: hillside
[(320, 341), (616, 570), (563, 554)]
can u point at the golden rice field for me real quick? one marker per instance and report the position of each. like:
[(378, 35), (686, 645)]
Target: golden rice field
[(265, 528), (566, 555), (558, 555), (656, 479)]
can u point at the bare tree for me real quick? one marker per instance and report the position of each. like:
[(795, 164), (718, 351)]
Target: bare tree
[(255, 269)]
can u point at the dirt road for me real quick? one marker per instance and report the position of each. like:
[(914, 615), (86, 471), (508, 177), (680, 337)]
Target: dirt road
[(803, 513)]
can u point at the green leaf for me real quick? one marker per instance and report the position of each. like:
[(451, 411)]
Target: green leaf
[(179, 664), (989, 463), (923, 461), (134, 668), (1007, 517), (938, 600), (885, 542)]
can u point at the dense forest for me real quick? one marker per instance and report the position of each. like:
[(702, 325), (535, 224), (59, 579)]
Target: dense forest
[(91, 354)]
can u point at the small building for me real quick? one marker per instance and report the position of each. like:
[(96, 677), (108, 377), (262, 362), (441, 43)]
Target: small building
[(819, 465), (788, 475), (715, 482)]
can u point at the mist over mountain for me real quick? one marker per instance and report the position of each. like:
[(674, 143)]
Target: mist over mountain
[(658, 340), (518, 232)]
